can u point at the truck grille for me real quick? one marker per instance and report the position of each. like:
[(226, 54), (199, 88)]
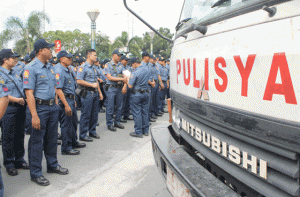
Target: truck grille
[(282, 171)]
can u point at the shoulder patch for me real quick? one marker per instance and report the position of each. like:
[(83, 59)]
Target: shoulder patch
[(2, 81), (131, 76), (57, 76), (26, 74), (80, 69)]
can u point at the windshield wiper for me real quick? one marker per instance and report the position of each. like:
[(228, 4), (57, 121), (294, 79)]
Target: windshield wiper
[(220, 2), (180, 23)]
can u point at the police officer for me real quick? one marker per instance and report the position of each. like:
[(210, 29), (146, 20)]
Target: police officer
[(164, 74), (65, 89), (154, 91), (91, 93), (168, 82), (19, 67), (101, 81), (14, 118), (103, 102), (3, 105), (124, 61), (80, 61), (151, 82), (139, 98), (114, 73), (39, 84)]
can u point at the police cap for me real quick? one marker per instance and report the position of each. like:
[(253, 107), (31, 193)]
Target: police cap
[(161, 59), (51, 61), (32, 55), (134, 60), (7, 53), (117, 51), (27, 59), (124, 58), (152, 57), (145, 53), (41, 44), (64, 53)]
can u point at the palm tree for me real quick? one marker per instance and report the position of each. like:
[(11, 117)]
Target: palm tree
[(5, 36), (28, 31)]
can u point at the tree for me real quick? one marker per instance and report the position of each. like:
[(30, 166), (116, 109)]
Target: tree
[(28, 31), (161, 46), (103, 46), (5, 36), (72, 41)]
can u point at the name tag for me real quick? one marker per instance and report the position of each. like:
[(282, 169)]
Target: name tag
[(43, 76)]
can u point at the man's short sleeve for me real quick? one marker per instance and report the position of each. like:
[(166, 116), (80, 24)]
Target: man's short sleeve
[(60, 78), (107, 69), (29, 79), (133, 79), (81, 73)]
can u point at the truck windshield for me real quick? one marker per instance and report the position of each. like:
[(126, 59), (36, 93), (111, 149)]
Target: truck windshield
[(202, 10)]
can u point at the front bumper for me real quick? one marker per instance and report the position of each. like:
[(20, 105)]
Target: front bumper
[(167, 152)]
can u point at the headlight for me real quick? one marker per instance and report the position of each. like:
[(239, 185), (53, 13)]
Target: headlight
[(176, 117)]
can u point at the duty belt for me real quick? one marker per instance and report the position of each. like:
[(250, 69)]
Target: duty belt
[(156, 81), (71, 96), (92, 89), (44, 102), (140, 91), (113, 86)]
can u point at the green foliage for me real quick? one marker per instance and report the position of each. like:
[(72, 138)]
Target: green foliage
[(26, 32), (5, 36)]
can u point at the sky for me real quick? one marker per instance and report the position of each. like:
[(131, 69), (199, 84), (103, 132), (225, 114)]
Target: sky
[(113, 19)]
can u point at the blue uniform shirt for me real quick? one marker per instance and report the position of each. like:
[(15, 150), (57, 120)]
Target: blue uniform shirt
[(139, 78), (19, 67), (3, 89), (66, 80), (10, 87), (87, 73), (154, 71), (110, 70), (164, 73), (102, 75), (40, 78)]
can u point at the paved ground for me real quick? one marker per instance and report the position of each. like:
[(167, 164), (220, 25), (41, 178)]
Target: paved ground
[(115, 165)]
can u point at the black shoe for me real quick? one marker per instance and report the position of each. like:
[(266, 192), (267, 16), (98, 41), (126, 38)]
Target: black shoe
[(164, 111), (150, 123), (119, 126), (86, 139), (71, 152), (146, 134), (97, 124), (154, 117), (27, 133), (111, 128), (152, 120), (40, 180), (58, 142), (123, 120), (128, 118), (78, 108), (12, 171), (24, 166), (158, 115), (101, 110), (58, 170), (133, 134), (59, 137), (96, 136), (79, 145)]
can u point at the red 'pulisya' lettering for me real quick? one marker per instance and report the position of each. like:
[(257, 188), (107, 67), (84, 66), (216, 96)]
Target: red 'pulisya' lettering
[(178, 65), (196, 82), (187, 79), (286, 88), (206, 74), (221, 74), (245, 71)]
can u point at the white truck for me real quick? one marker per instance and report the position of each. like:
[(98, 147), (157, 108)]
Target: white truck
[(235, 88)]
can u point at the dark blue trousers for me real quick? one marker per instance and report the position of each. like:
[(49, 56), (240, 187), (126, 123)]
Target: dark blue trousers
[(89, 114), (68, 127), (155, 99), (1, 186), (150, 103), (125, 108), (162, 95), (13, 135), (140, 108), (46, 139), (114, 100), (28, 124)]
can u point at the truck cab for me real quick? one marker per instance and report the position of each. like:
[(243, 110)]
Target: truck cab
[(235, 88)]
